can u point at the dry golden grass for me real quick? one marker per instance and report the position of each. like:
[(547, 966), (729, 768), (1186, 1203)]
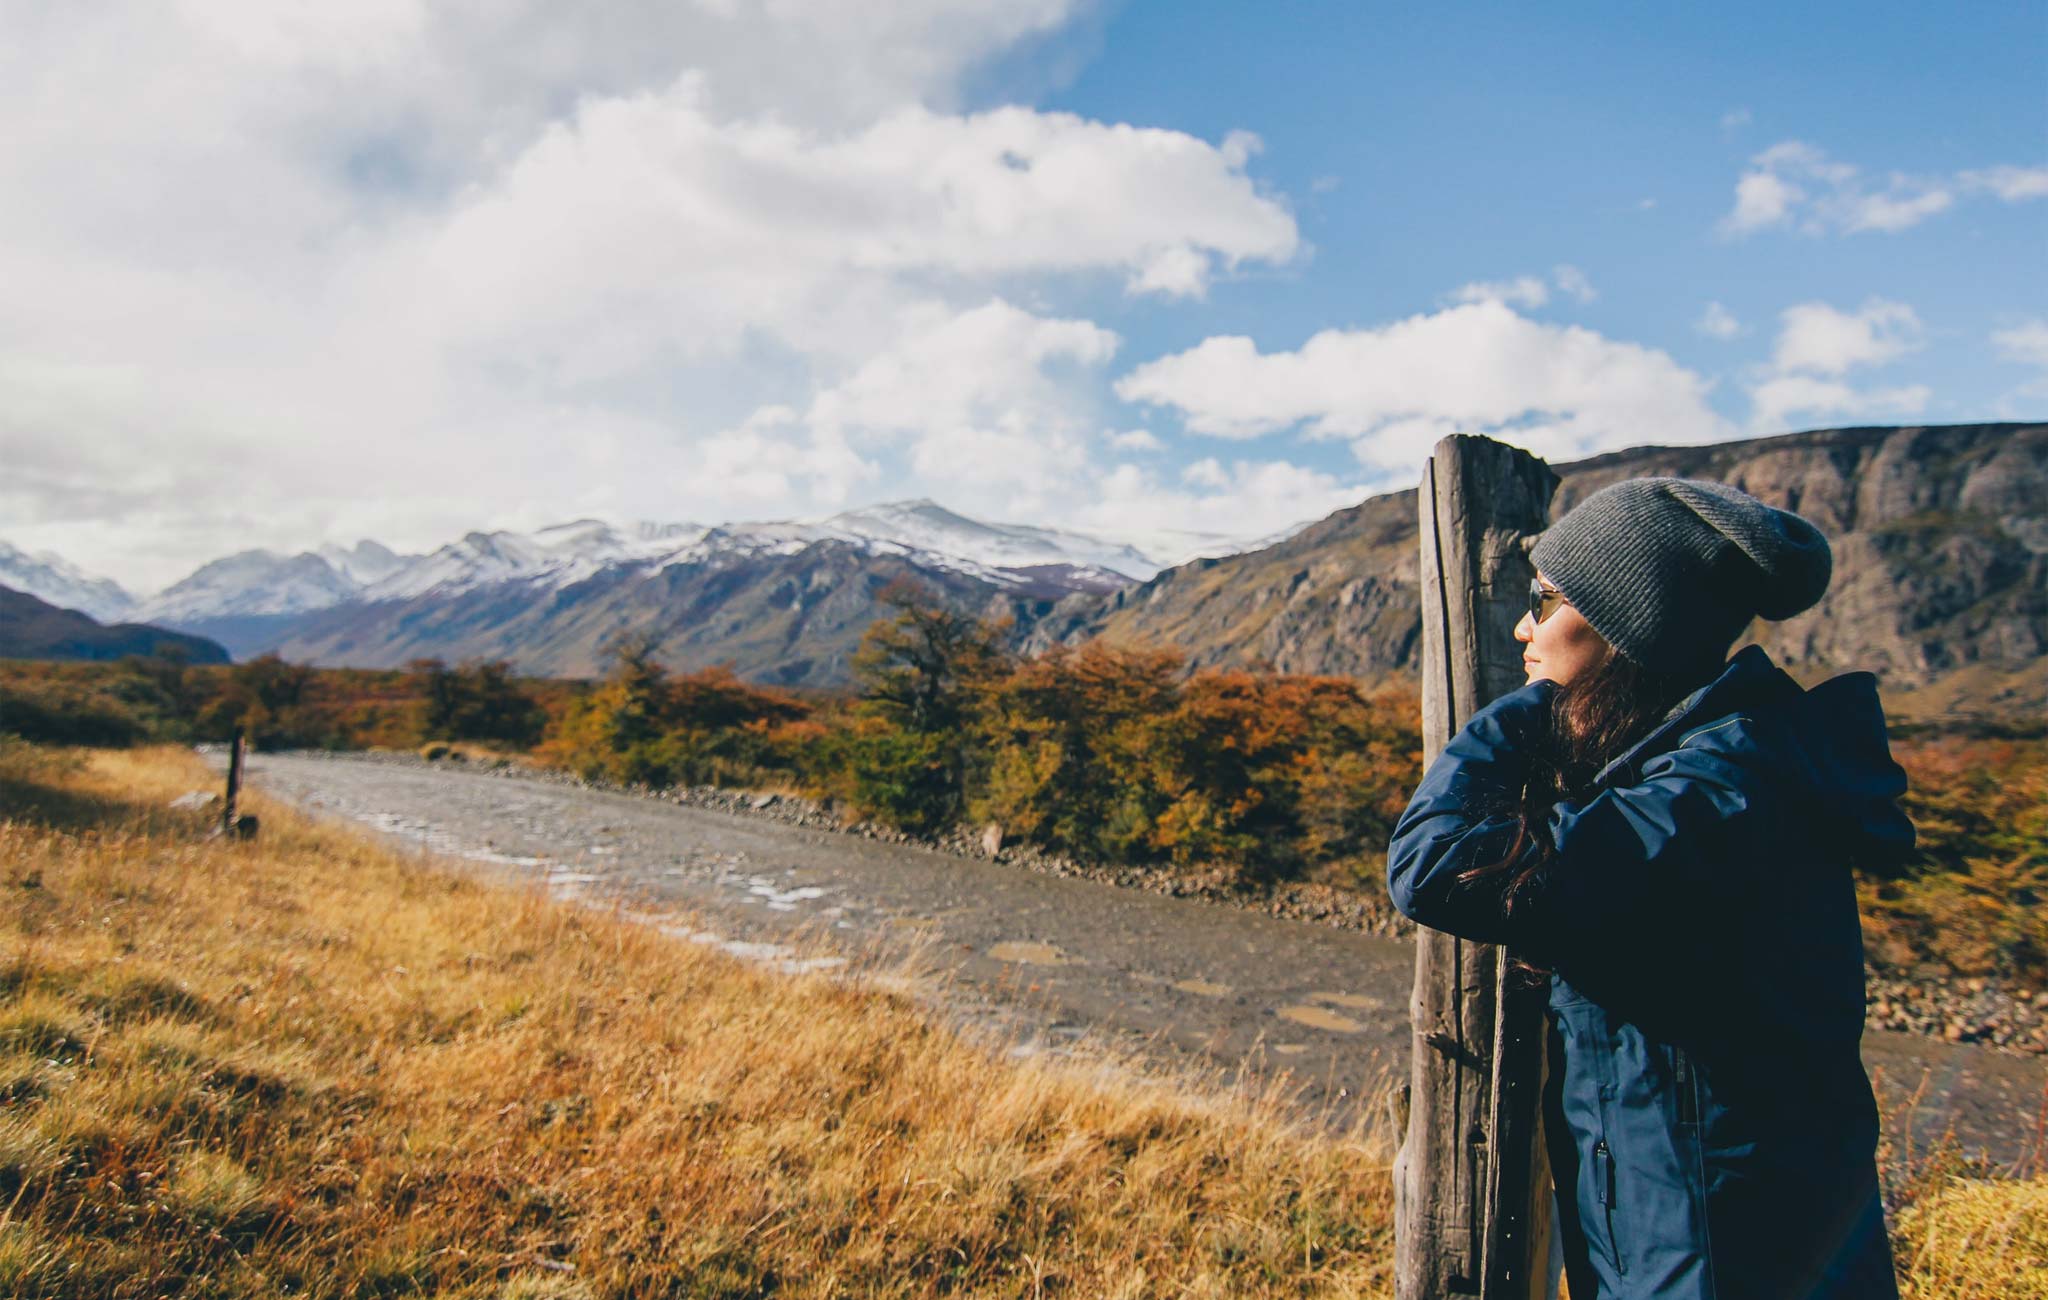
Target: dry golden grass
[(1971, 1237), (308, 1065)]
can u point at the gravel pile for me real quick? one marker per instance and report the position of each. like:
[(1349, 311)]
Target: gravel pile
[(1929, 1000)]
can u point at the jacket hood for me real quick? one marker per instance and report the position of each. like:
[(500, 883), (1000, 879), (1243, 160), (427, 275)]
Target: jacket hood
[(1838, 730), (1831, 739)]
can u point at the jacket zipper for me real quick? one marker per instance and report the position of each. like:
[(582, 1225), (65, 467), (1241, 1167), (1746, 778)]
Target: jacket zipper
[(1604, 1176), (1688, 1098)]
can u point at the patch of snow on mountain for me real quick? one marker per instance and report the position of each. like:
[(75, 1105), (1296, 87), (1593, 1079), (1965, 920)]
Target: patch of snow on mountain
[(365, 563), (252, 583), (555, 556), (51, 577), (929, 528)]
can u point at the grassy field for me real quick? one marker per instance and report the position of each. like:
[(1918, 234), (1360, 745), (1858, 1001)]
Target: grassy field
[(307, 1065)]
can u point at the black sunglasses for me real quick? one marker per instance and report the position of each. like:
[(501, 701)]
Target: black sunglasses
[(1543, 601)]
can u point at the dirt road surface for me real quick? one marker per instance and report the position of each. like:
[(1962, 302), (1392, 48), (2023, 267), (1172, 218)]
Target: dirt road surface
[(1046, 960)]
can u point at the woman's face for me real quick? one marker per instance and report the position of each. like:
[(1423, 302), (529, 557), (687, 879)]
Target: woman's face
[(1560, 647)]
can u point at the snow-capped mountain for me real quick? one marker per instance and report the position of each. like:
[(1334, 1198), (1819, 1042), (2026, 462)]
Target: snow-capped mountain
[(253, 583), (63, 584), (365, 563), (555, 556), (267, 585), (925, 525)]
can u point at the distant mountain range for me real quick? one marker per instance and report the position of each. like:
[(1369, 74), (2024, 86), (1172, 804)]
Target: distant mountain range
[(1941, 579), (549, 600)]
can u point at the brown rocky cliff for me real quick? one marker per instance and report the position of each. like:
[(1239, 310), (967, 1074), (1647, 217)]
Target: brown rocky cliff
[(1940, 537)]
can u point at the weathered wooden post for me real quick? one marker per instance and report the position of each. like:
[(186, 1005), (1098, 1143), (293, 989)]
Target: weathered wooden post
[(1472, 1201), (229, 821)]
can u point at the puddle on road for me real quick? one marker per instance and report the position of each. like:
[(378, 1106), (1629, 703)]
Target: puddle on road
[(783, 900), (778, 955), (1320, 1018), (1203, 988), (1349, 1001), (1023, 950)]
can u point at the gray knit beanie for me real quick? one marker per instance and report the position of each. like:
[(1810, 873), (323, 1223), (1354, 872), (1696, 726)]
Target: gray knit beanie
[(1670, 570)]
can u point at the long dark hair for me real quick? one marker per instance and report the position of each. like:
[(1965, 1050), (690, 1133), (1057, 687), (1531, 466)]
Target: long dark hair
[(1594, 718)]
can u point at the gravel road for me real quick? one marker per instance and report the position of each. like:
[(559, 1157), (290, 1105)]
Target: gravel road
[(1044, 959)]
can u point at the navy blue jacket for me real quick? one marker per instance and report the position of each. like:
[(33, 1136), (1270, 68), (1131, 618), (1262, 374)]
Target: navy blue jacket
[(1711, 1130)]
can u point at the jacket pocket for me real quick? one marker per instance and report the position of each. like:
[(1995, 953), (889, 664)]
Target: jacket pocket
[(1603, 1189)]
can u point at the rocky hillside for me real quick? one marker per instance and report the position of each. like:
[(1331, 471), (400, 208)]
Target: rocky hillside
[(32, 628), (1940, 537)]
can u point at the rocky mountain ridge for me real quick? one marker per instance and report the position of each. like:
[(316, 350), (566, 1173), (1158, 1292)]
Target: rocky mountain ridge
[(1940, 538)]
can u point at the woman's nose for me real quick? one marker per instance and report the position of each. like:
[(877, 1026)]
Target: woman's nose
[(1525, 627)]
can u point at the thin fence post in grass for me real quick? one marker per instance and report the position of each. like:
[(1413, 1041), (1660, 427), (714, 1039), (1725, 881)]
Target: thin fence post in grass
[(229, 823), (1472, 1186)]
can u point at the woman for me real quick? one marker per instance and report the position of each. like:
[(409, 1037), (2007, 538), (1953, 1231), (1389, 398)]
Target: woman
[(1668, 832)]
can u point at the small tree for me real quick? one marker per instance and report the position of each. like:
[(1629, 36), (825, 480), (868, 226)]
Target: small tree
[(477, 701), (924, 676), (1066, 735)]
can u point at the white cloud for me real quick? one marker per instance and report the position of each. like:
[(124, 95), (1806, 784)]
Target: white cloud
[(647, 223), (1794, 184), (1777, 401), (2013, 184), (1821, 339), (1522, 291), (1905, 204), (2026, 343), (975, 403), (1817, 344), (1528, 291), (1761, 199), (411, 267), (1717, 322), (1571, 281), (1479, 368), (1244, 498), (1136, 440), (1735, 118)]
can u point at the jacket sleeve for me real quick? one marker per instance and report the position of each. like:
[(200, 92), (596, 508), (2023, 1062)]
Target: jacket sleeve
[(1630, 853), (1464, 815)]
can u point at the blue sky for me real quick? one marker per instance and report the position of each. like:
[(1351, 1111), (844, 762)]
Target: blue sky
[(1423, 149), (285, 274)]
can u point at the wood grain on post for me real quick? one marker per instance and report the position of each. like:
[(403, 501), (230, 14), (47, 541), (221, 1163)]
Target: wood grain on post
[(1472, 1208)]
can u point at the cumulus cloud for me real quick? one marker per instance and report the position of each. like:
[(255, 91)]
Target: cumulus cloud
[(2009, 183), (1717, 322), (1522, 291), (1573, 282), (1239, 498), (1561, 391), (2026, 343), (1783, 399), (1797, 185), (1136, 440), (411, 269), (975, 405), (1817, 344), (1825, 340)]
